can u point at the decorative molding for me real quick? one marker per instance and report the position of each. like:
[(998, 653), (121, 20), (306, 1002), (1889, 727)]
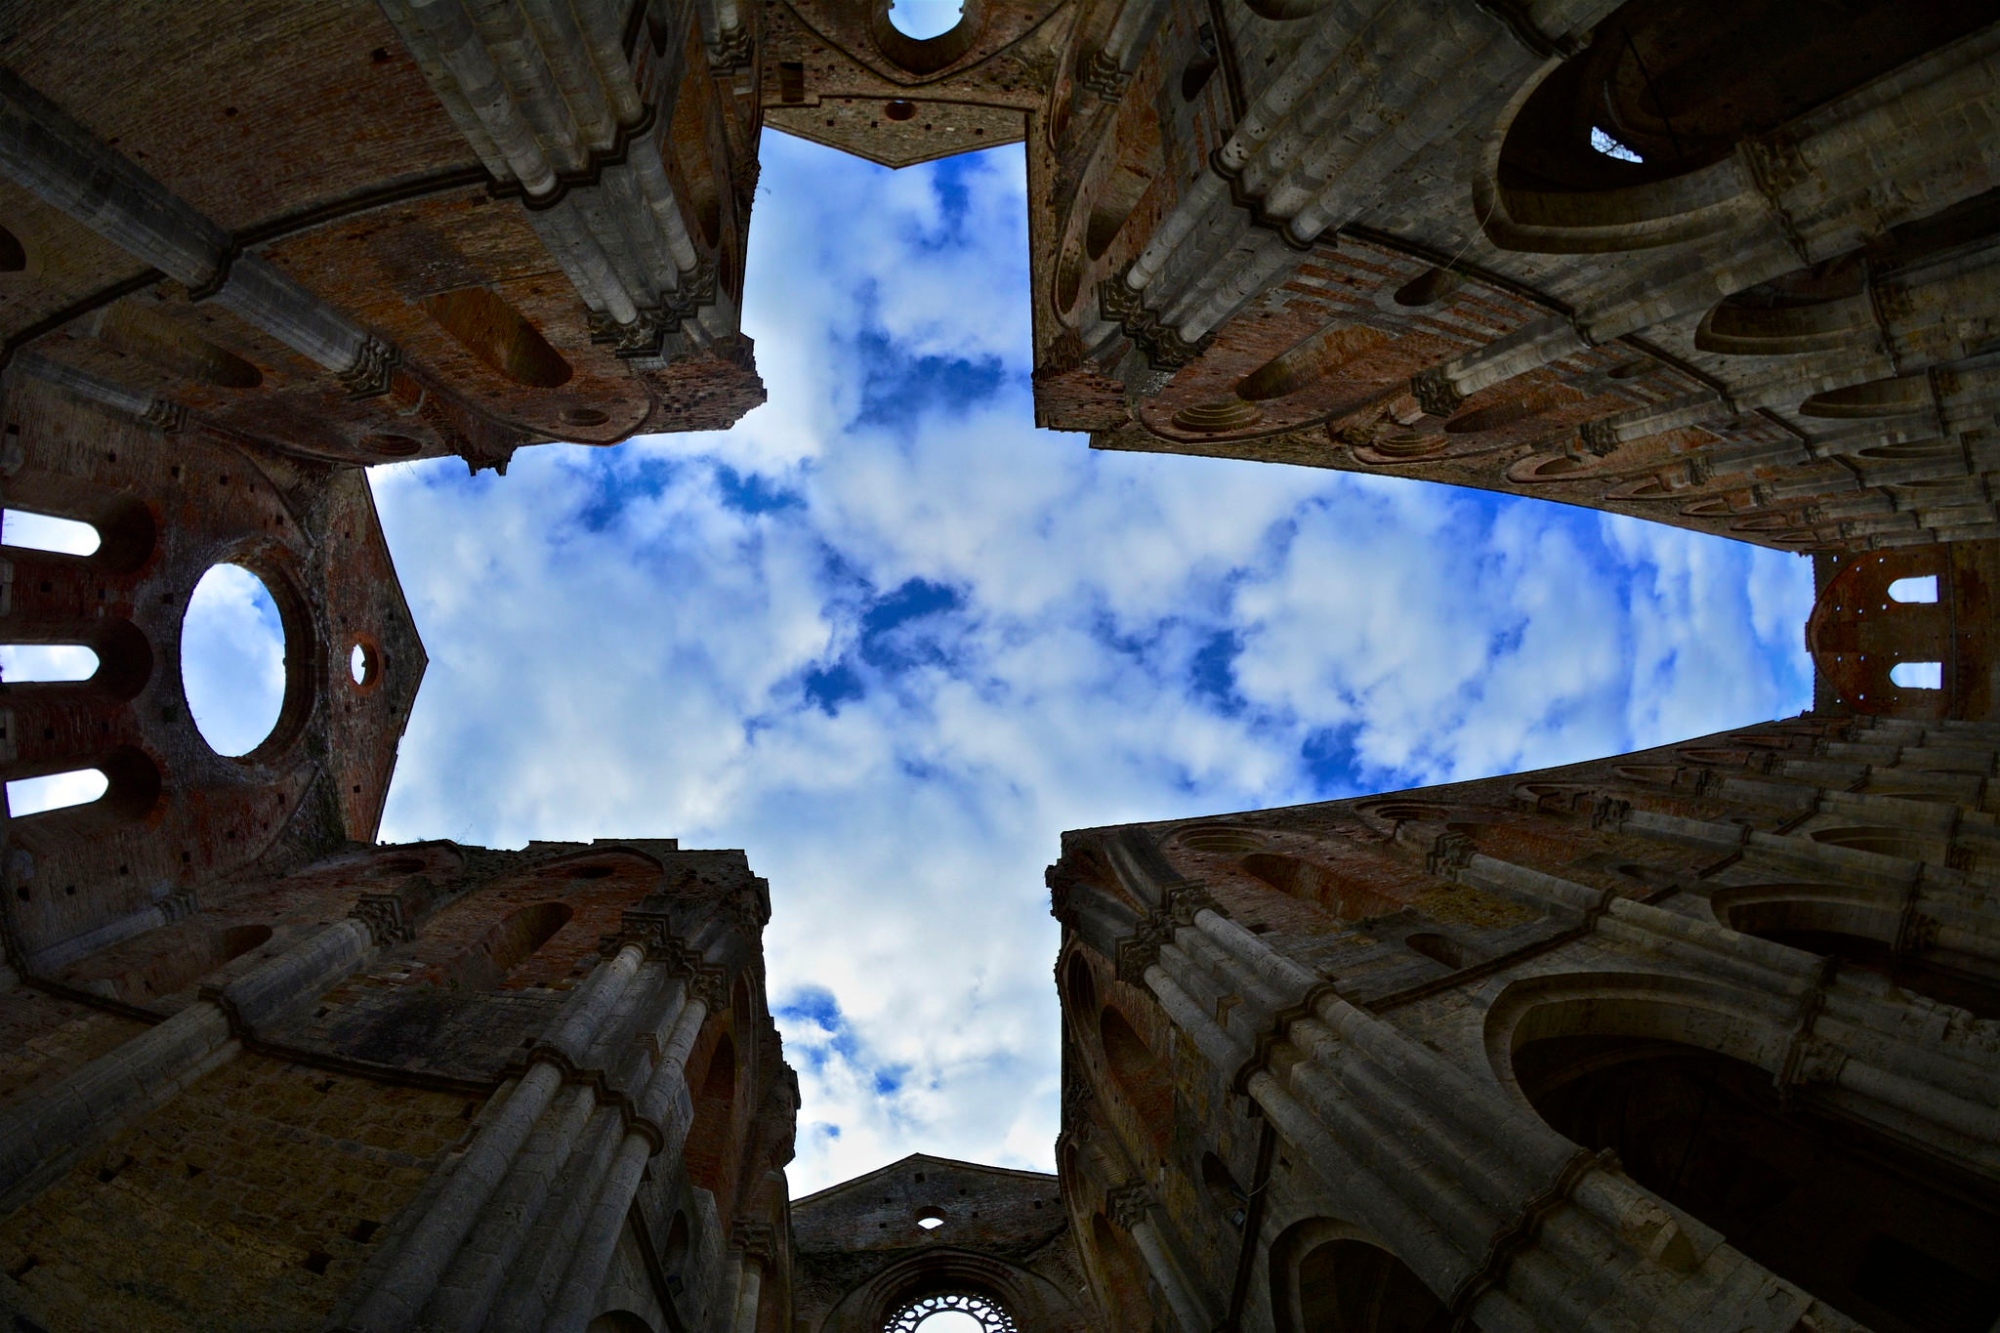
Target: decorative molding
[(1162, 346), (1179, 904), (1253, 205), (1435, 392), (383, 914), (1129, 1204), (1599, 437), (165, 415), (1105, 77), (372, 370), (734, 49)]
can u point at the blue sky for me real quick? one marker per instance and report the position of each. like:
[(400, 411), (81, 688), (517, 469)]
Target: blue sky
[(892, 640)]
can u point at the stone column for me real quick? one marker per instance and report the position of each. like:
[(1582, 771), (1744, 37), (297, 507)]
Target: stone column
[(58, 160), (1131, 1207), (659, 1126), (41, 1135), (403, 1287), (749, 1291)]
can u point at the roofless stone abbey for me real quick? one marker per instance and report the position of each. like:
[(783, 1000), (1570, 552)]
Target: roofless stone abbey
[(1701, 1038)]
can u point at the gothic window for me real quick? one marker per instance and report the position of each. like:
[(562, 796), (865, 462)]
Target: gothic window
[(921, 1314), (1326, 1280), (1862, 932), (1863, 1223), (486, 965), (714, 1109), (1668, 86), (496, 333), (1142, 1076)]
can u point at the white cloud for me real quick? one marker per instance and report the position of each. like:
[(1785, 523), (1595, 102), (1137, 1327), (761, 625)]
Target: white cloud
[(692, 636)]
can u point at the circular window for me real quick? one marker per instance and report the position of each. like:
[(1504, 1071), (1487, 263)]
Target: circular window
[(950, 1312), (364, 664), (930, 1219), (925, 19), (233, 659)]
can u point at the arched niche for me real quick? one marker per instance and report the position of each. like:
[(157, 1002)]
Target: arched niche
[(1143, 1078), (1328, 1277), (1079, 991), (1820, 309), (1863, 930), (1316, 883), (1890, 1237), (511, 941), (1628, 143), (714, 1113)]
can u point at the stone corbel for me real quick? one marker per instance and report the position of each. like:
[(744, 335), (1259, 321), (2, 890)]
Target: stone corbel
[(1102, 75), (1161, 345), (732, 49), (1435, 392), (374, 365), (1253, 206), (1179, 905)]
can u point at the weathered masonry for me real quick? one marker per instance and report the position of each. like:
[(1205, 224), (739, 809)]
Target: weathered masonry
[(1696, 1038), (1706, 1037)]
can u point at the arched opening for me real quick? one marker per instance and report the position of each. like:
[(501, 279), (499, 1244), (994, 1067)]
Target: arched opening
[(1915, 588), (156, 338), (1896, 1241), (1326, 1282), (55, 791), (1438, 948), (505, 947), (1142, 1076), (950, 1312), (1917, 675), (925, 19), (1318, 884), (185, 957), (1431, 287), (46, 663), (1668, 86), (13, 256), (1117, 199), (486, 326), (1836, 921), (674, 1254), (45, 532), (618, 1321), (1079, 990), (1223, 1191), (1318, 358), (1814, 310), (714, 1109), (233, 659)]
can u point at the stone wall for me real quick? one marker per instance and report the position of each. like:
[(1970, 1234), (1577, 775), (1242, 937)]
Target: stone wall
[(1445, 1054)]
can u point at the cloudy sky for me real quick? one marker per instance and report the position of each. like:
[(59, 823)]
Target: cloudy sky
[(891, 640)]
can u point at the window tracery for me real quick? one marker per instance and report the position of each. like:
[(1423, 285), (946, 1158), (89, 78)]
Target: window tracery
[(913, 1314)]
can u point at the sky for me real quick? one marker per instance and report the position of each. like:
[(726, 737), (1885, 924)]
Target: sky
[(891, 640)]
